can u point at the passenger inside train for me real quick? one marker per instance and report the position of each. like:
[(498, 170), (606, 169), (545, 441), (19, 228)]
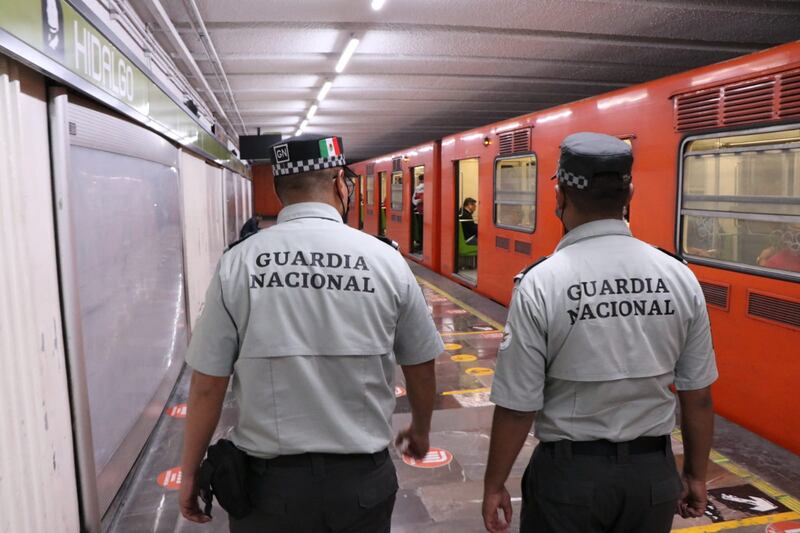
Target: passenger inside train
[(202, 334), (468, 225)]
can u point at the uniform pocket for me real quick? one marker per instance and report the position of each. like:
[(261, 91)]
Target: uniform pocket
[(666, 490), (378, 488), (557, 491)]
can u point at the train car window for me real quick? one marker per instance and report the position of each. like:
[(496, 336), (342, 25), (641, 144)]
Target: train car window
[(515, 192), (397, 191), (740, 201), (370, 190)]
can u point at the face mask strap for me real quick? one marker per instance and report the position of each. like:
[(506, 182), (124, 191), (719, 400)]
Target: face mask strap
[(345, 206)]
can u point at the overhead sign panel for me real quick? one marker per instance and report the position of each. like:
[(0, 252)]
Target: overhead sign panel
[(59, 31)]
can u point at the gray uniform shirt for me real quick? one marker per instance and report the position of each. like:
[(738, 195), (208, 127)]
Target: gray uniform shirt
[(597, 332), (310, 316)]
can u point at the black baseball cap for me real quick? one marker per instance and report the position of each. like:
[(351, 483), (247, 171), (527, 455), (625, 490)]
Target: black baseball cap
[(308, 153), (585, 154)]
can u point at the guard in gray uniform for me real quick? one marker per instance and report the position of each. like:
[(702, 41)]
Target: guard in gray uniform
[(596, 334), (310, 318)]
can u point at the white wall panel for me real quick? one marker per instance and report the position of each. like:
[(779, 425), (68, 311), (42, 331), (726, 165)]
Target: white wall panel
[(215, 187), (231, 207), (243, 216), (249, 189), (203, 226), (113, 275), (37, 482)]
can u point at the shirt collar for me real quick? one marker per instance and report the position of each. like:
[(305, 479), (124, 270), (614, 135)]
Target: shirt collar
[(309, 210), (596, 228)]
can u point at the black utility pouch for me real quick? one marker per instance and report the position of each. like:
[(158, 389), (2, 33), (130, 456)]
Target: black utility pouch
[(223, 475)]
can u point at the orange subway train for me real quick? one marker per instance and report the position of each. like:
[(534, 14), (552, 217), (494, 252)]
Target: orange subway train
[(717, 176)]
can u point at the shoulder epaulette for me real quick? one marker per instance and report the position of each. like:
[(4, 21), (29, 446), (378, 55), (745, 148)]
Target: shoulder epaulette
[(386, 240), (525, 270), (240, 241), (674, 256)]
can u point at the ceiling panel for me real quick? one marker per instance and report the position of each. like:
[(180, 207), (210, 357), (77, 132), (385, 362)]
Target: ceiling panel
[(427, 68)]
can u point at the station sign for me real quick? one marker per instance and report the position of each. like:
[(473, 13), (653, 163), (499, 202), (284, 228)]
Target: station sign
[(56, 29)]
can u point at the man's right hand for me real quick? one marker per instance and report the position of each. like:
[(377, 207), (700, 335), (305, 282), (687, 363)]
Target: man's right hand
[(413, 443), (694, 498), (190, 509), (495, 502)]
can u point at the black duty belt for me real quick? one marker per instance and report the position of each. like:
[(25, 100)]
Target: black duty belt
[(638, 446), (315, 459)]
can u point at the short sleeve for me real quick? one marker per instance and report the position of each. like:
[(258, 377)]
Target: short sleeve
[(215, 340), (697, 366), (521, 361), (416, 340)]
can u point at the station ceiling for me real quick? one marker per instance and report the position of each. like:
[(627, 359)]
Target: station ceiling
[(427, 68)]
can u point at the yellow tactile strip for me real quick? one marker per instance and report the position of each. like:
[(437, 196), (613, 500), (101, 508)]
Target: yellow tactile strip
[(461, 304), (748, 477)]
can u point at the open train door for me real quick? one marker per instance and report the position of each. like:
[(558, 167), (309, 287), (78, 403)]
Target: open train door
[(466, 220), (382, 189), (417, 174)]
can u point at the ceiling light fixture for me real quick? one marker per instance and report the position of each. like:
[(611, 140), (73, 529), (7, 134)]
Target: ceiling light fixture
[(299, 132), (312, 111), (347, 54), (303, 124), (377, 4), (326, 87)]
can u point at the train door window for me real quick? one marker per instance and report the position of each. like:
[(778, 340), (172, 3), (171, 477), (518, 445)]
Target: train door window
[(370, 196), (740, 201), (466, 233), (417, 208), (361, 201), (382, 203), (397, 191), (515, 193)]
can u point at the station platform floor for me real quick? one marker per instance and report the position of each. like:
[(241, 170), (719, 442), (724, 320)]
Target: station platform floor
[(754, 485)]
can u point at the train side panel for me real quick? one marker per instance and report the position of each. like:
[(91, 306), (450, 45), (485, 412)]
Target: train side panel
[(757, 356)]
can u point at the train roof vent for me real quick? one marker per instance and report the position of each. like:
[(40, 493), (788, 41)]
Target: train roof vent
[(695, 111), (748, 102), (769, 98), (774, 309), (789, 95), (515, 142)]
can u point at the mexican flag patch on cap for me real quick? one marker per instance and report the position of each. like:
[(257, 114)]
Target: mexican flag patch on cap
[(329, 147)]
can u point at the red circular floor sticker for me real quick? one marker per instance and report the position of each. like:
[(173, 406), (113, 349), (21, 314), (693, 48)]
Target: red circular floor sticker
[(177, 411), (170, 479), (783, 527), (399, 391), (435, 458)]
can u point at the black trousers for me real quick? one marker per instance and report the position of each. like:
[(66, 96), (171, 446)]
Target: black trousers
[(320, 493), (564, 492)]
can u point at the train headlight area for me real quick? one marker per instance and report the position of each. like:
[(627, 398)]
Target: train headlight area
[(122, 184)]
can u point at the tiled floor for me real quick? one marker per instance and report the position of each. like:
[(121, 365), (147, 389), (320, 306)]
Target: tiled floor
[(447, 498)]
